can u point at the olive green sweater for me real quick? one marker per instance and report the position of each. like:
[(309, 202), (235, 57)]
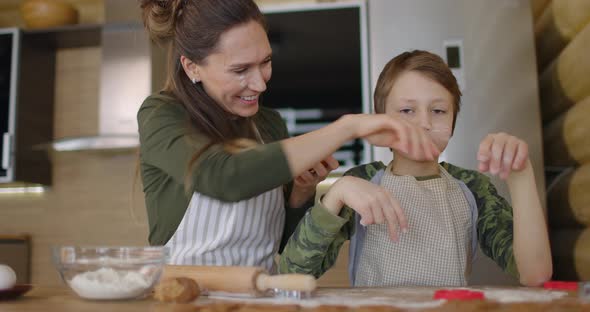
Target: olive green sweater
[(165, 150)]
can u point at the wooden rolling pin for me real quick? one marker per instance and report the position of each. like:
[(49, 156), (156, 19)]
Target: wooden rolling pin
[(239, 280)]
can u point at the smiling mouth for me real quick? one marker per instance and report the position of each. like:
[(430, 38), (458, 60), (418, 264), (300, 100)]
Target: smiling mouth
[(249, 98)]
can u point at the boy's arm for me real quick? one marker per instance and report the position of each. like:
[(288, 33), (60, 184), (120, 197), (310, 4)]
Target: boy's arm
[(502, 236), (531, 242), (507, 156), (315, 244), (494, 222)]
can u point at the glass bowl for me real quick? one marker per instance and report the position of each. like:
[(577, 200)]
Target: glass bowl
[(110, 273)]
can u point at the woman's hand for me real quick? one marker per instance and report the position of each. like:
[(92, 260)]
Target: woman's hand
[(500, 153), (304, 185), (306, 150), (372, 202), (398, 134)]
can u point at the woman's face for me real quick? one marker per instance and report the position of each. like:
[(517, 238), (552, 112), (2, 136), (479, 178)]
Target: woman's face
[(236, 73), (423, 102)]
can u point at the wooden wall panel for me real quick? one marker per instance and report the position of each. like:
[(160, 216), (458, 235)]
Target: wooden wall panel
[(558, 25), (571, 254), (538, 6), (567, 138), (568, 200), (566, 80)]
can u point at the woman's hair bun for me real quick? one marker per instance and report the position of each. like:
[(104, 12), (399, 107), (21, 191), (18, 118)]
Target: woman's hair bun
[(159, 17)]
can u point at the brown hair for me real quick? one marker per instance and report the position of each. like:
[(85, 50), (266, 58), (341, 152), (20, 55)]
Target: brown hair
[(426, 63), (192, 28)]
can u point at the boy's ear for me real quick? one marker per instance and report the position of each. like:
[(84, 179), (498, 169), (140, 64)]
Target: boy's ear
[(190, 68)]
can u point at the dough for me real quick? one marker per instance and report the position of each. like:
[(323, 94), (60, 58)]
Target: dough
[(180, 289), (377, 309), (268, 308), (326, 308)]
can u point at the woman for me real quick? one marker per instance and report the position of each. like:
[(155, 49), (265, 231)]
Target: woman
[(206, 135)]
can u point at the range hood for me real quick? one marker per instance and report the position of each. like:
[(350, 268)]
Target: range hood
[(125, 81)]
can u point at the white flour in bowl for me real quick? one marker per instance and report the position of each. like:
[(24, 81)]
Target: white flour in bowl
[(106, 283)]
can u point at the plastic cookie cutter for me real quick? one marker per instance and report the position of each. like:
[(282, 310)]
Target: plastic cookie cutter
[(458, 294), (291, 294), (561, 285)]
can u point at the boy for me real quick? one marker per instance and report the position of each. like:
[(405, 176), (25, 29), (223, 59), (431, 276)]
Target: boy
[(442, 210)]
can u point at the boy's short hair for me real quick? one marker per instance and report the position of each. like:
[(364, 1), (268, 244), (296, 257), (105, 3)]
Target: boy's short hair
[(429, 64)]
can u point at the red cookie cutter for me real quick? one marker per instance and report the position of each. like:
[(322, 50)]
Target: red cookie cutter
[(458, 294), (561, 285)]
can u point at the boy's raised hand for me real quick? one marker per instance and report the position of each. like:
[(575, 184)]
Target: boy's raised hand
[(372, 202), (501, 153)]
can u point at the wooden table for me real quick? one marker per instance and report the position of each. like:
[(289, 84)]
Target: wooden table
[(52, 299), (62, 299)]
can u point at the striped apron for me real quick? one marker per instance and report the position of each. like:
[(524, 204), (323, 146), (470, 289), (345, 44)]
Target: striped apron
[(244, 233), (436, 250)]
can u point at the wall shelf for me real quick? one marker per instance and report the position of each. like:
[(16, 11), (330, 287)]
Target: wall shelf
[(76, 36), (73, 36)]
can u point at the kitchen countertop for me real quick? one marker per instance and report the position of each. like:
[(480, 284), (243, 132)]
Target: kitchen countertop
[(62, 299)]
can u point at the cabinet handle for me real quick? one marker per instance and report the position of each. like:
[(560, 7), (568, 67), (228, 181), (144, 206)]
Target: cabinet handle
[(6, 151)]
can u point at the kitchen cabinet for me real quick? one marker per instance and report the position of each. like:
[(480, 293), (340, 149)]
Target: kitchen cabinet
[(27, 83)]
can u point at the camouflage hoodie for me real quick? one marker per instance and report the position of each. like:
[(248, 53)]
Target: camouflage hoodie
[(315, 244)]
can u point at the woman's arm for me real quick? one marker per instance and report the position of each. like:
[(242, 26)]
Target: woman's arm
[(166, 150), (305, 151), (165, 147)]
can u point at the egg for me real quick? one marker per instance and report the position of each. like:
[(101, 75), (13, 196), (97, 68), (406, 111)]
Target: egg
[(7, 277)]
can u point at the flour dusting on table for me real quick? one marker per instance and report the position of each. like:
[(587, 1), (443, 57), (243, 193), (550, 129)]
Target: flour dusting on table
[(405, 298), (523, 295)]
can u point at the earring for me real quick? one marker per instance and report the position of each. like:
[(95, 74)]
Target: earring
[(194, 81)]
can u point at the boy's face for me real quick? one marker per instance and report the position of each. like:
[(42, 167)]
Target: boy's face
[(423, 102)]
